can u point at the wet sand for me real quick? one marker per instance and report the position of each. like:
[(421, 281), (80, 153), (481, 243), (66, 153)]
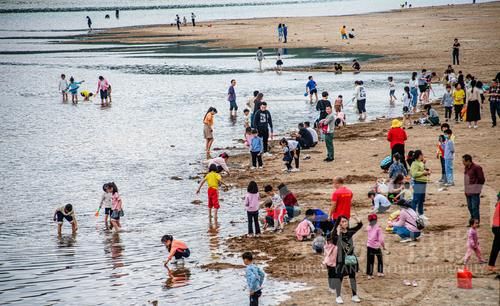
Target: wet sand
[(433, 260), (409, 39)]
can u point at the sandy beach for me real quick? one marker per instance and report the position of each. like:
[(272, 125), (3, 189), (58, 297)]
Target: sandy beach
[(408, 39)]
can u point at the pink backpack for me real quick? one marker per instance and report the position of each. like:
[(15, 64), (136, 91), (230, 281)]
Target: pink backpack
[(330, 259), (302, 230)]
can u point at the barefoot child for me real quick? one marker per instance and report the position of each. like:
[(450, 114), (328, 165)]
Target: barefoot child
[(176, 249), (407, 100), (246, 118), (106, 202), (373, 244), (278, 207), (65, 212), (392, 90), (213, 180), (116, 207), (473, 242), (73, 89), (252, 207), (63, 86), (255, 278)]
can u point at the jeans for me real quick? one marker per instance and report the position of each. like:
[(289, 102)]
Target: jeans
[(405, 233), (329, 145), (419, 189), (443, 170), (344, 36), (495, 247), (253, 219), (447, 112), (292, 211), (449, 170), (495, 111), (473, 201), (414, 93), (254, 298), (370, 260), (256, 157), (458, 112)]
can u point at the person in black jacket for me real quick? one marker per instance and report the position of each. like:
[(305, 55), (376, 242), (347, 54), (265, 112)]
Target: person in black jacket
[(304, 137), (341, 236), (262, 121)]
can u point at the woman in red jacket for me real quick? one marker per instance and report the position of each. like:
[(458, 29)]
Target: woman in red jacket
[(397, 137)]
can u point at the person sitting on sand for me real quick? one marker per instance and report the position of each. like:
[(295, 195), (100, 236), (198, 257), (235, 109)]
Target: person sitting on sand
[(304, 137), (65, 212), (351, 34), (395, 186), (397, 167), (432, 115), (313, 132), (177, 249), (380, 203), (406, 226), (305, 229), (290, 201), (318, 244), (220, 162)]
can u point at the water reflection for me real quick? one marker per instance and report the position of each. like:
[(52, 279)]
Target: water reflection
[(66, 241), (178, 277), (113, 246), (213, 239)]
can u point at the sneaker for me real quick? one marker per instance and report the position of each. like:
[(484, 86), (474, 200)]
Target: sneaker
[(261, 167), (356, 299), (406, 282), (328, 159), (475, 126), (380, 274), (295, 170), (285, 170), (339, 300), (370, 277), (405, 240), (267, 154), (252, 168)]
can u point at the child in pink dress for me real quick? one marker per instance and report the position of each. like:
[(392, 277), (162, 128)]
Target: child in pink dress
[(473, 242)]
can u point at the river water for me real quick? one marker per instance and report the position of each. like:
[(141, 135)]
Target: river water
[(53, 153)]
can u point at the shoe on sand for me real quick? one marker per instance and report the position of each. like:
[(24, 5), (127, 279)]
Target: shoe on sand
[(406, 282), (405, 240), (356, 299), (339, 300)]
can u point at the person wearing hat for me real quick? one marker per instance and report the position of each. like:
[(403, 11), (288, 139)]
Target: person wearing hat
[(397, 137), (374, 243), (406, 226)]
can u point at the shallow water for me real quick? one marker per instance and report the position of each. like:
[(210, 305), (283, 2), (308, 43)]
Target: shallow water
[(53, 153)]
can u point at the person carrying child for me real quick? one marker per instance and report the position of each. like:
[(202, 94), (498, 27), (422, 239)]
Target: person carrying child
[(213, 180), (375, 241), (279, 209), (305, 229), (106, 202), (291, 151), (177, 249), (256, 149), (252, 207), (65, 212), (255, 278), (473, 243)]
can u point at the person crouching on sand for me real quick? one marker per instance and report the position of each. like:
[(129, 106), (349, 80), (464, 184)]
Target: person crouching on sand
[(65, 212), (176, 248), (279, 208)]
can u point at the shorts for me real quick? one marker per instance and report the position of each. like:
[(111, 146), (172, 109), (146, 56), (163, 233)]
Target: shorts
[(213, 198), (422, 88), (392, 92), (104, 94), (406, 110), (60, 216), (115, 214), (233, 105), (208, 132), (313, 91), (107, 211), (279, 62), (361, 106)]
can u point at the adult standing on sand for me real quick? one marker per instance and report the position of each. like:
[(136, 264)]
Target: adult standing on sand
[(494, 96), (329, 122), (495, 228), (263, 123), (455, 52), (346, 263), (89, 23), (260, 57), (178, 21), (420, 175), (397, 137), (341, 200), (343, 32), (473, 104), (231, 97), (473, 185), (193, 17), (285, 33), (208, 129)]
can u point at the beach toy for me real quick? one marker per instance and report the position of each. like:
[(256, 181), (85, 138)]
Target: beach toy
[(305, 94), (464, 279), (97, 212), (386, 163)]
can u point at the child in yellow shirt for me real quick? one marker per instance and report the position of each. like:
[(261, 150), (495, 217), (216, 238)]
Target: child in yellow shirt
[(213, 180), (458, 101)]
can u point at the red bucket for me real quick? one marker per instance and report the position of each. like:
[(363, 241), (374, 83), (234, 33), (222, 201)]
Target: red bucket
[(464, 279)]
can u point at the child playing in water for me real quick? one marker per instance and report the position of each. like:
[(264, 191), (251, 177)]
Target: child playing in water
[(106, 202), (86, 95), (373, 244), (246, 118), (63, 86), (305, 229), (279, 209), (252, 207), (256, 149), (473, 242), (213, 180), (176, 249), (392, 89), (339, 104), (65, 212), (116, 206), (255, 278), (73, 89), (407, 105)]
